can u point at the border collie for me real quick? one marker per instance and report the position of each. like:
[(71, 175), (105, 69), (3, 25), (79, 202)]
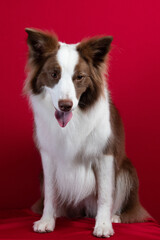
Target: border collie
[(79, 134)]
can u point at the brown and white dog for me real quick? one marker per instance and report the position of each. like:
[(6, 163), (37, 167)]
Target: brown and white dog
[(79, 135)]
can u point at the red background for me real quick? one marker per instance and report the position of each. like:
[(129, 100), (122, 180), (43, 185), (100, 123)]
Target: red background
[(134, 83)]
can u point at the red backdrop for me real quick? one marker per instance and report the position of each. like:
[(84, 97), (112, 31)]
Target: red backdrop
[(134, 83)]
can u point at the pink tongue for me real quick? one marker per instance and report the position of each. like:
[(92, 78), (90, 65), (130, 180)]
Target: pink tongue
[(63, 117)]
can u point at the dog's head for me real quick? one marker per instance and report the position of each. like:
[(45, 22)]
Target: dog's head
[(71, 73)]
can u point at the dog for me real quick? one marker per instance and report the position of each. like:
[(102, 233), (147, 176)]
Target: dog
[(79, 134)]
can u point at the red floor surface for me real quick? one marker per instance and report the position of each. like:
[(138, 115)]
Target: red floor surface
[(17, 224)]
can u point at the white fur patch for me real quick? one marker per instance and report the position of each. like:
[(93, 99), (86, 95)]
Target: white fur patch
[(67, 57), (74, 148)]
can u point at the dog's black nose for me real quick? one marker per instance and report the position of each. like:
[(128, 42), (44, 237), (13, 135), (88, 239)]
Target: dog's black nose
[(65, 105)]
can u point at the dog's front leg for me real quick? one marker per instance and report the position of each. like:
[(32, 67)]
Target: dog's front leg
[(47, 221), (105, 184)]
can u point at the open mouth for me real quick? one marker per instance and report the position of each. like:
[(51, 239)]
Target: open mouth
[(63, 118)]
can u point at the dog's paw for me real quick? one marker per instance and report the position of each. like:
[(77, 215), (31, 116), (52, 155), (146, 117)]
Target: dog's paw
[(116, 219), (103, 229), (44, 225)]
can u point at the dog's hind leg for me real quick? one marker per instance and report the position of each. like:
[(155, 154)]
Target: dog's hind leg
[(126, 204)]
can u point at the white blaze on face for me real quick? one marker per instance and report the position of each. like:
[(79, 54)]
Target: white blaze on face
[(67, 57)]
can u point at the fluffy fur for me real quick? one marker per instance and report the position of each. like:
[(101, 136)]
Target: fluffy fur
[(86, 171)]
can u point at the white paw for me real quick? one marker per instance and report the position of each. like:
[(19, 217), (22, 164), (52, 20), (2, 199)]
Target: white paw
[(44, 225), (116, 219), (103, 229)]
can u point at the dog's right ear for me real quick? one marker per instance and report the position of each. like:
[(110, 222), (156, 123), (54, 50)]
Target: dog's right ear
[(40, 43), (95, 49)]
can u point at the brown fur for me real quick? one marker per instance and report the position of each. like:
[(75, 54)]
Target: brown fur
[(90, 87), (95, 50), (94, 53), (131, 210), (42, 46), (116, 144)]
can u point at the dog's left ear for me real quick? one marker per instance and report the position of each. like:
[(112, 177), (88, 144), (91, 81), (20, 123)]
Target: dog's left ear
[(95, 49), (40, 43)]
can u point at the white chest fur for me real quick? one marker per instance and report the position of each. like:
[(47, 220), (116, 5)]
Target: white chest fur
[(74, 148)]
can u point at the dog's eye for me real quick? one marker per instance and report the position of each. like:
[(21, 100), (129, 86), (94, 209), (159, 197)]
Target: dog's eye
[(54, 75), (79, 77)]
